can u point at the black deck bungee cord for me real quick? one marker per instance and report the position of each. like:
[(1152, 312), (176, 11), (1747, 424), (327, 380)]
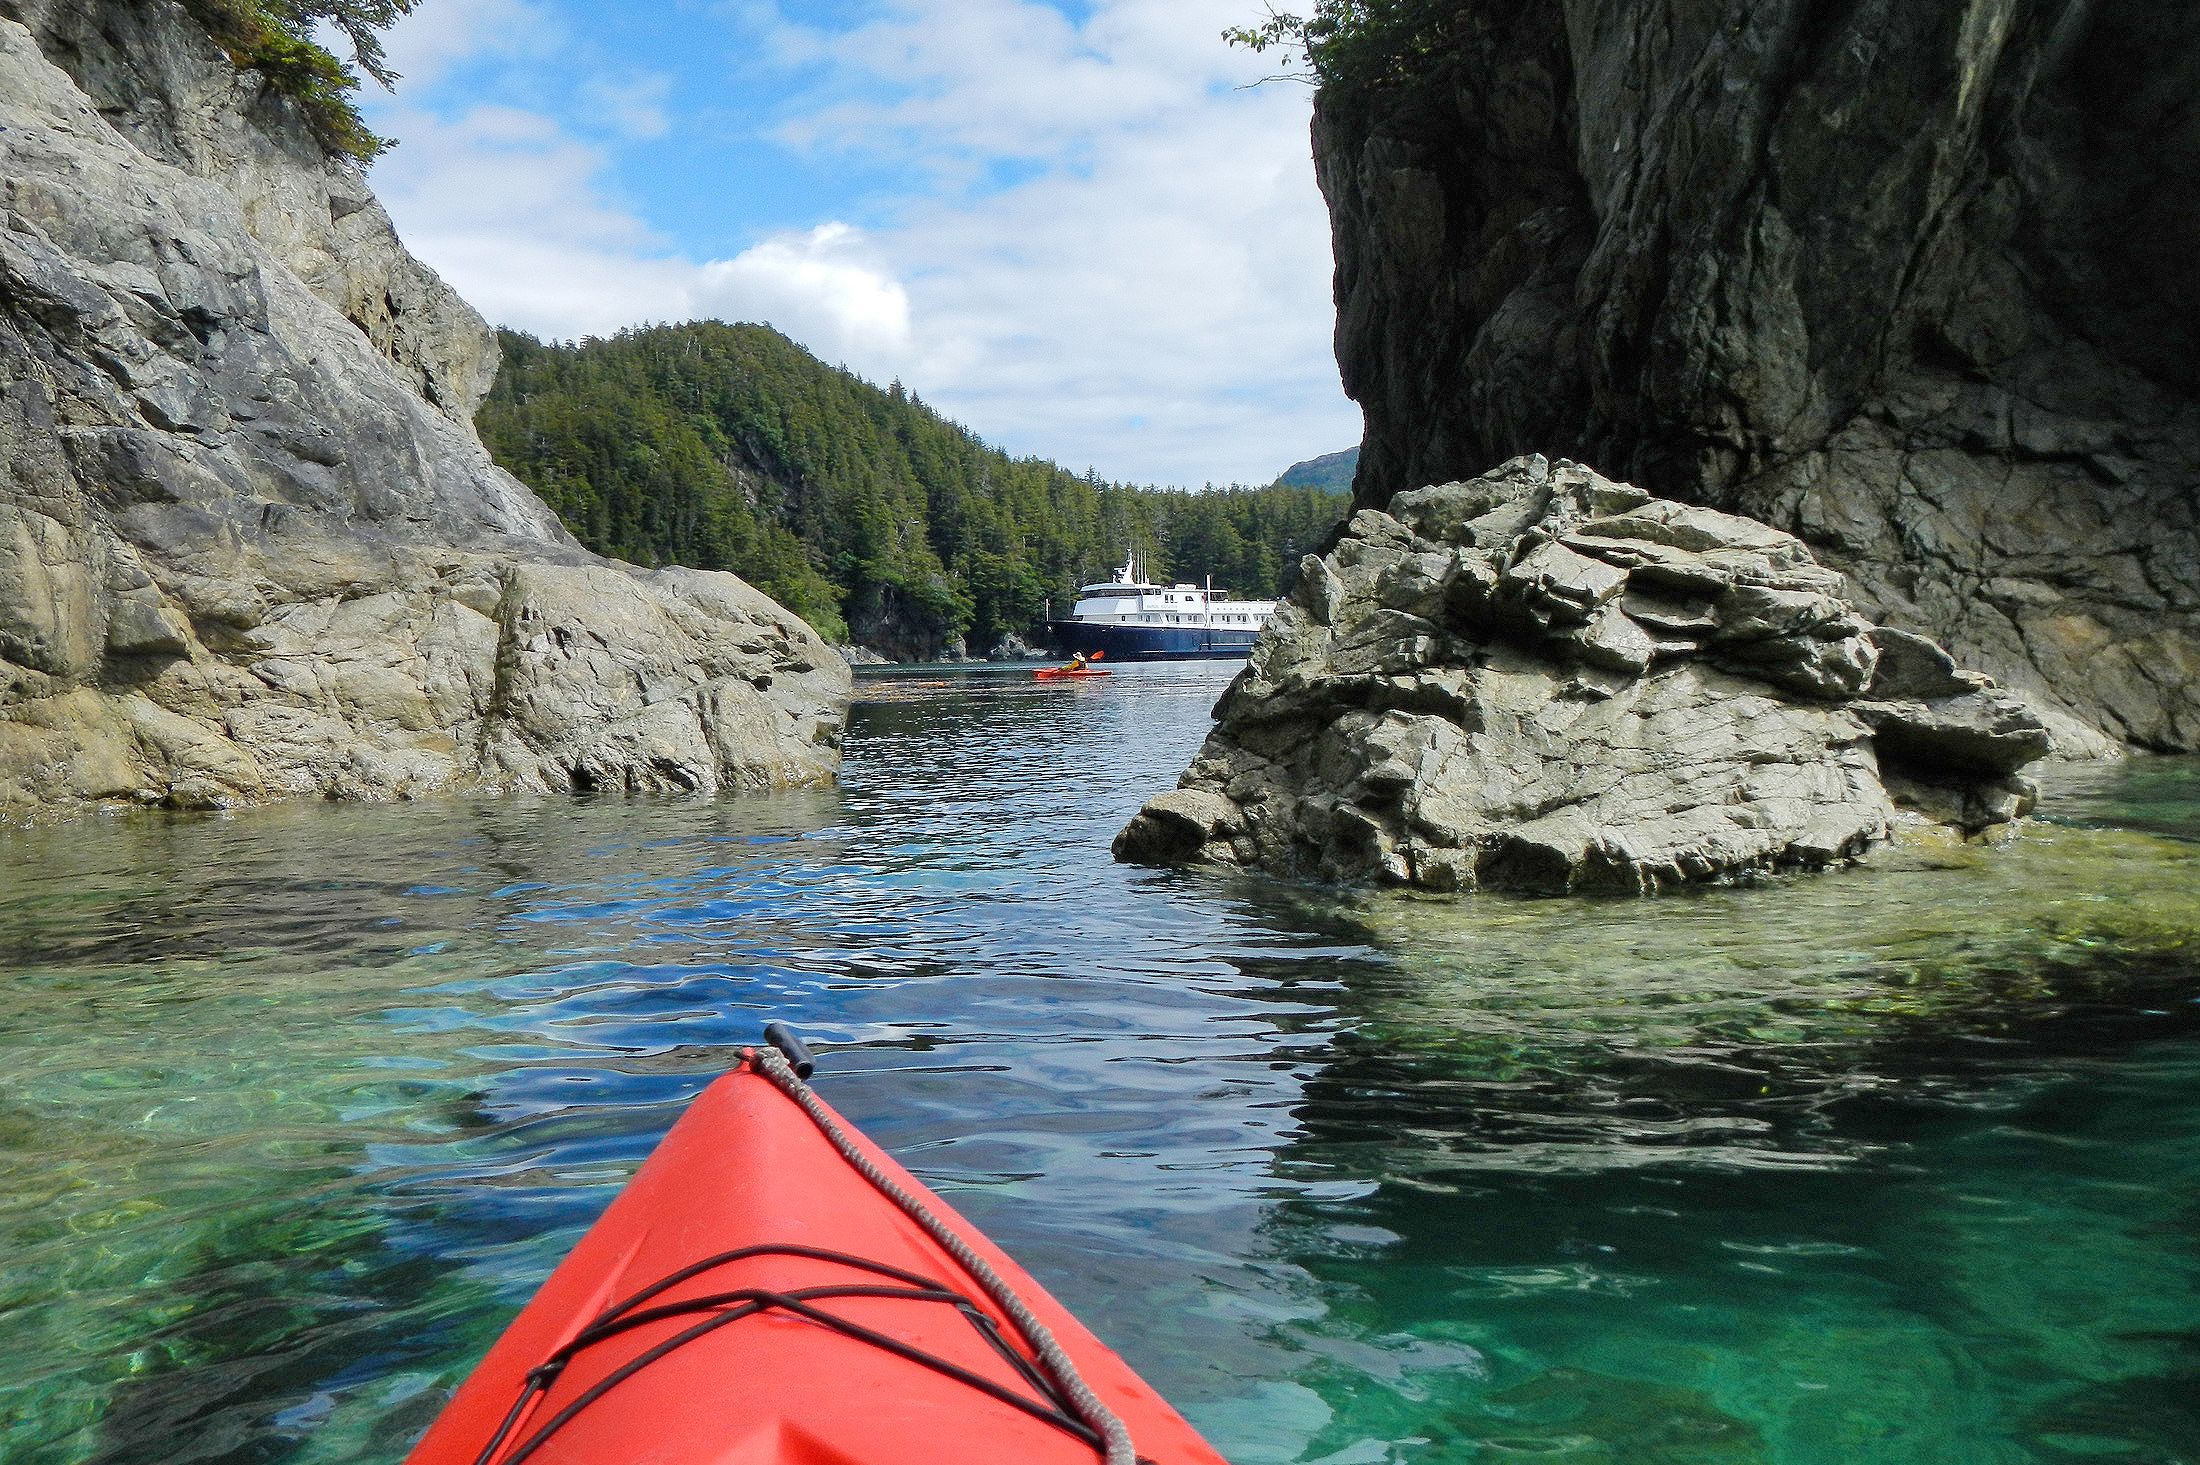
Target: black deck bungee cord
[(1112, 1436), (749, 1302), (1065, 1400)]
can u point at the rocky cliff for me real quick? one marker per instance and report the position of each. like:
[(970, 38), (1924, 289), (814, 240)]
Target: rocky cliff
[(249, 543), (1542, 679), (1918, 280)]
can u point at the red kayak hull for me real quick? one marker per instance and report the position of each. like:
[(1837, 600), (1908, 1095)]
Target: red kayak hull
[(1063, 674), (746, 1167)]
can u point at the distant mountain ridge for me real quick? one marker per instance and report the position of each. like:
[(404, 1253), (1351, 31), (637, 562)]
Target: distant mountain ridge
[(1331, 472), (866, 512)]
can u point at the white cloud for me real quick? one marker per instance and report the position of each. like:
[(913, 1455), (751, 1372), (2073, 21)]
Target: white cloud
[(1156, 303), (823, 288), (427, 43), (1150, 298), (632, 106), (1014, 78), (1116, 317), (506, 205)]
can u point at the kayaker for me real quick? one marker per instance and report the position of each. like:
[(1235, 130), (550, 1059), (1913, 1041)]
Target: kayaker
[(1077, 662)]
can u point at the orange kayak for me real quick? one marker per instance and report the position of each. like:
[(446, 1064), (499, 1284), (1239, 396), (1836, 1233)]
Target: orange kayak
[(754, 1298), (1063, 673)]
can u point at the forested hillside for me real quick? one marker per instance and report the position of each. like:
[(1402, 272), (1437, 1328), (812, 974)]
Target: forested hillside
[(862, 509), (1331, 471)]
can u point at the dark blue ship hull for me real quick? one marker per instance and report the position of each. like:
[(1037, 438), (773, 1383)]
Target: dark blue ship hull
[(1151, 643)]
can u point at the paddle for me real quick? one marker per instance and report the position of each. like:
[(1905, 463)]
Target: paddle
[(1076, 667)]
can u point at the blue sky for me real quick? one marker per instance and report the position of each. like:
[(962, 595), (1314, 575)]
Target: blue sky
[(1073, 226)]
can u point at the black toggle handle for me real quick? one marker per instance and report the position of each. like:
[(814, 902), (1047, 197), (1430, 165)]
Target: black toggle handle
[(797, 1052)]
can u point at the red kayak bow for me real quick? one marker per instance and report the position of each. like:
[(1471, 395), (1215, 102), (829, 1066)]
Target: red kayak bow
[(772, 1289)]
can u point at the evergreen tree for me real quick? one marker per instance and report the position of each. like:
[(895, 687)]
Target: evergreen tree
[(275, 38), (863, 510)]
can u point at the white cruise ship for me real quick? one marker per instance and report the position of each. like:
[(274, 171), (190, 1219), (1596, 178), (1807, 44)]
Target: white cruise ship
[(1132, 620)]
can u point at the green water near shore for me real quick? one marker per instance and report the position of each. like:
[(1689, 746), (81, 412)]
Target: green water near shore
[(1901, 1165)]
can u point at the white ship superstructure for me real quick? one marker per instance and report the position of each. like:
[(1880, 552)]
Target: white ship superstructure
[(1131, 619)]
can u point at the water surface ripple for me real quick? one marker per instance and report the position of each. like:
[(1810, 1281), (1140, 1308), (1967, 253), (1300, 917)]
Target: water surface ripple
[(297, 1106)]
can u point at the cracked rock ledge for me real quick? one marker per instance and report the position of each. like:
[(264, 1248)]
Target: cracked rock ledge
[(249, 544), (1548, 681)]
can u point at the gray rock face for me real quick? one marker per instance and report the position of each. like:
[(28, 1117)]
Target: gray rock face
[(1012, 647), (1545, 680), (1917, 280), (249, 544)]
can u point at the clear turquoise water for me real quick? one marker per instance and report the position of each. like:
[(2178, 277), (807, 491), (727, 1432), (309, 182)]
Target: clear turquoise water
[(297, 1106)]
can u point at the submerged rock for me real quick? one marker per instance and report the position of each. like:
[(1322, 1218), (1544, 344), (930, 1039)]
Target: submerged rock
[(1545, 680), (249, 543)]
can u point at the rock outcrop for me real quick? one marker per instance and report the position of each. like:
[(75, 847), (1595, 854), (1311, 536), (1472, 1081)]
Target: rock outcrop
[(1545, 680), (1917, 280), (249, 544)]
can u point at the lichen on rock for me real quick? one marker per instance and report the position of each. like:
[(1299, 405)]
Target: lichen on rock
[(1545, 680), (250, 546)]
